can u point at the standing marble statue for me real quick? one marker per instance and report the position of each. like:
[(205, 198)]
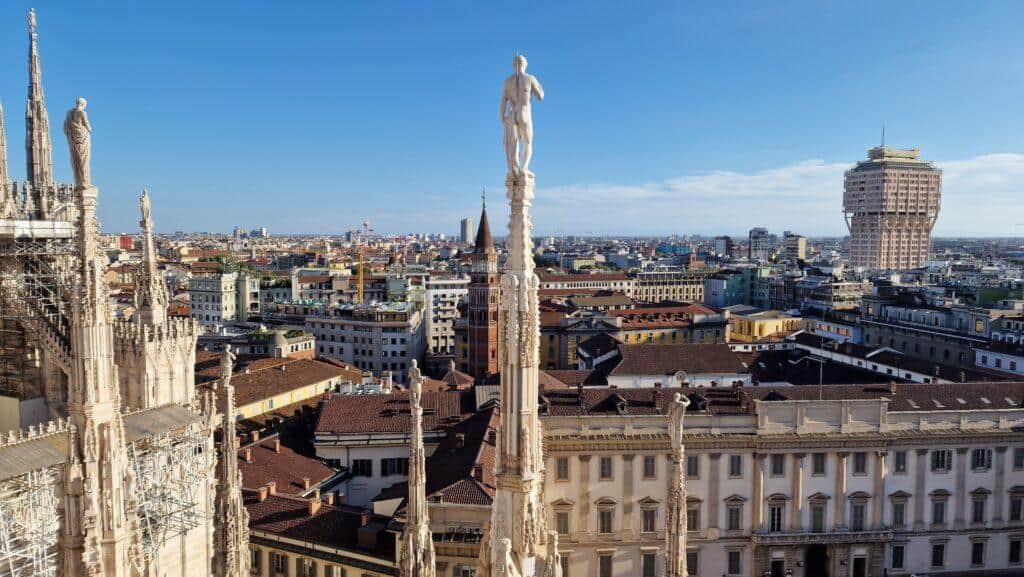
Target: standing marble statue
[(79, 133), (514, 112), (147, 210)]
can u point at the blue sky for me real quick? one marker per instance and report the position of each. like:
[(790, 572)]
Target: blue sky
[(659, 117)]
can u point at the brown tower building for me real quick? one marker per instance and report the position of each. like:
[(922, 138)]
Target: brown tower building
[(482, 305), (891, 201)]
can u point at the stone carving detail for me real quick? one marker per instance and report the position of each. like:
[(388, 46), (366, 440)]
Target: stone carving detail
[(675, 525)]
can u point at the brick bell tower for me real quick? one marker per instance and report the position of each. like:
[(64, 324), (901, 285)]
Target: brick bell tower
[(482, 305)]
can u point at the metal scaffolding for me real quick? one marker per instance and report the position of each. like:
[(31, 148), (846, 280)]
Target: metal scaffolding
[(28, 526), (170, 473)]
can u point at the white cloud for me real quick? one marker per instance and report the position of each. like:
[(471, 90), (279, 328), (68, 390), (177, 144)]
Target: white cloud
[(981, 196)]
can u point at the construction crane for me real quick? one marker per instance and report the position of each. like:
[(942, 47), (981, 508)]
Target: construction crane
[(362, 251)]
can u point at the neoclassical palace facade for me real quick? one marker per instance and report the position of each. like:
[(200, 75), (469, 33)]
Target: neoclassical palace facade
[(844, 480)]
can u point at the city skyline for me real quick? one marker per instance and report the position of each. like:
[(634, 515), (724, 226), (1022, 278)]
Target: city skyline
[(693, 143)]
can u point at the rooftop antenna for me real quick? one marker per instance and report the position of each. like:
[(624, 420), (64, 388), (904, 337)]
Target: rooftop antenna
[(883, 135), (483, 196)]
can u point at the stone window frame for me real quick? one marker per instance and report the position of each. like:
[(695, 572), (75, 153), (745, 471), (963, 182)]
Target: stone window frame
[(818, 499), (1016, 492), (1018, 458), (563, 506), (568, 470), (734, 502), (986, 458), (777, 459), (902, 498), (781, 501), (644, 460), (649, 504), (980, 495), (611, 468), (857, 456), (729, 551), (897, 456), (732, 473), (606, 505), (983, 539), (696, 458), (824, 462), (940, 496), (695, 551), (859, 499), (1010, 538), (947, 464), (902, 545), (944, 541), (691, 504)]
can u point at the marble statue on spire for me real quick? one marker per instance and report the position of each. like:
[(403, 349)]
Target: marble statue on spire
[(146, 208), (675, 522), (514, 111), (416, 557), (231, 537), (518, 543), (79, 133)]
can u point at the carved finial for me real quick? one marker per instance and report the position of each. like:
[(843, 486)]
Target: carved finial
[(31, 20), (146, 208)]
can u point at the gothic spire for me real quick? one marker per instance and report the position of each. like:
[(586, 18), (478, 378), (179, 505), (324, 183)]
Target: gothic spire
[(231, 540), (150, 290), (38, 149), (417, 554), (5, 180), (484, 242)]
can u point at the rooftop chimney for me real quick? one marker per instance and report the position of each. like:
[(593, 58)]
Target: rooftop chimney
[(305, 483), (261, 494), (460, 440), (330, 498), (247, 455), (364, 518), (314, 506), (339, 498), (478, 473), (277, 445), (272, 487), (255, 436)]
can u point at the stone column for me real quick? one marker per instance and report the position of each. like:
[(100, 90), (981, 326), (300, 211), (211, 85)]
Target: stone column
[(999, 492), (796, 514), (264, 562), (922, 471), (879, 490), (627, 494), (757, 520), (584, 495), (714, 499), (961, 487), (840, 506)]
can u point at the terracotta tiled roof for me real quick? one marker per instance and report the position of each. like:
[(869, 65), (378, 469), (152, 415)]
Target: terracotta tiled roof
[(453, 467), (270, 379), (390, 413), (332, 525), (668, 359), (561, 379), (659, 317), (286, 467)]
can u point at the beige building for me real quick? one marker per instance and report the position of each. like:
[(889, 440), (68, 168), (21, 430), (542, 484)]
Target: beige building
[(891, 201)]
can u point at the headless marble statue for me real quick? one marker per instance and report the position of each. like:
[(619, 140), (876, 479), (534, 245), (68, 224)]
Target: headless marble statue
[(514, 112)]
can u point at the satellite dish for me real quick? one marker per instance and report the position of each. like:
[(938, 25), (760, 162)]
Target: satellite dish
[(682, 378)]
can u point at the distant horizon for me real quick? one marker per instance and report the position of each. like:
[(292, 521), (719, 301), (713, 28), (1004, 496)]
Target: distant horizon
[(658, 121)]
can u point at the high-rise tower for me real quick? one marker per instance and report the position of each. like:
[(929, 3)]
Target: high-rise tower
[(482, 303), (891, 202)]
